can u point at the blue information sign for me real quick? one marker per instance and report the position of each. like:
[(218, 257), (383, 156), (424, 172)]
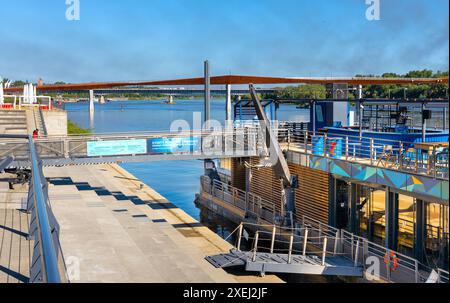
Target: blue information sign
[(116, 148), (173, 145)]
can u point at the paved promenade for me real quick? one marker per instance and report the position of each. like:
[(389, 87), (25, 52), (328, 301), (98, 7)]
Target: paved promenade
[(116, 230)]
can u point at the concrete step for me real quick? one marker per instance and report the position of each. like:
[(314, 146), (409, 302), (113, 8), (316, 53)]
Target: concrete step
[(4, 112)]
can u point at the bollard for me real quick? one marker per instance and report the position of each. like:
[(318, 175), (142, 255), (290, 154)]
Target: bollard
[(255, 248), (291, 242), (324, 251)]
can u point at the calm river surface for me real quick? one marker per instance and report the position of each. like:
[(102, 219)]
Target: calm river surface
[(178, 181)]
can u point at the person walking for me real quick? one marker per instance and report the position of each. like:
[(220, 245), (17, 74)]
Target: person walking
[(35, 134)]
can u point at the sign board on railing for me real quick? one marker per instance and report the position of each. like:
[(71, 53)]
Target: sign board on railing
[(114, 148), (174, 145)]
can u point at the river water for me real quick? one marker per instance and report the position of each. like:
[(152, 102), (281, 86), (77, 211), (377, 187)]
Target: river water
[(178, 181)]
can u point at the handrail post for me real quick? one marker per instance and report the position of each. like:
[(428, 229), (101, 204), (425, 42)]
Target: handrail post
[(305, 241), (352, 245), (255, 248), (320, 231), (336, 243), (416, 270), (400, 155), (433, 165), (357, 253), (272, 244), (291, 242), (241, 227), (346, 148), (324, 250), (371, 151), (306, 141)]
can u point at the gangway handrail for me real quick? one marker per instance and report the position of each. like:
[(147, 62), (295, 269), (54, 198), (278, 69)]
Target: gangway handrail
[(37, 200), (46, 244)]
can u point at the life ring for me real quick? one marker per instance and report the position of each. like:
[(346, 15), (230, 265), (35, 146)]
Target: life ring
[(391, 258)]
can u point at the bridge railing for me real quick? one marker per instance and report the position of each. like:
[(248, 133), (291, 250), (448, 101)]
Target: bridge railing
[(212, 143)]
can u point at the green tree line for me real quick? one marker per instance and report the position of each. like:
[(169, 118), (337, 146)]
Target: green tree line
[(310, 91)]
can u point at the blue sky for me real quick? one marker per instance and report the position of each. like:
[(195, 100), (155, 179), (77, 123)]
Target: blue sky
[(164, 39)]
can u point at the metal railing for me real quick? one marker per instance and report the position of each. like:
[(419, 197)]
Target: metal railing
[(380, 152), (47, 264), (245, 201), (394, 266)]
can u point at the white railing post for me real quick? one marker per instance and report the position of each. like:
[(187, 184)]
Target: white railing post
[(357, 253), (320, 231), (305, 241), (272, 244), (416, 270), (336, 243), (324, 250), (241, 227), (352, 246), (400, 156), (255, 248), (371, 151), (346, 148), (306, 141), (291, 242)]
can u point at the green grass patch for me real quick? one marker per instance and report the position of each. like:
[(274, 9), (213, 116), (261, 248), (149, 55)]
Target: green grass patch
[(74, 129)]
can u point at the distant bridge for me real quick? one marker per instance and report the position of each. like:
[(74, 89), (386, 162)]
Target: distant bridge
[(173, 91)]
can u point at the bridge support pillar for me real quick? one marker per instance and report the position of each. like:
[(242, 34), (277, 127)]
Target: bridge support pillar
[(91, 101), (207, 94), (391, 217)]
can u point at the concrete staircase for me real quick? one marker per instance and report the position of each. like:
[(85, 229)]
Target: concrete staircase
[(38, 122), (13, 122)]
